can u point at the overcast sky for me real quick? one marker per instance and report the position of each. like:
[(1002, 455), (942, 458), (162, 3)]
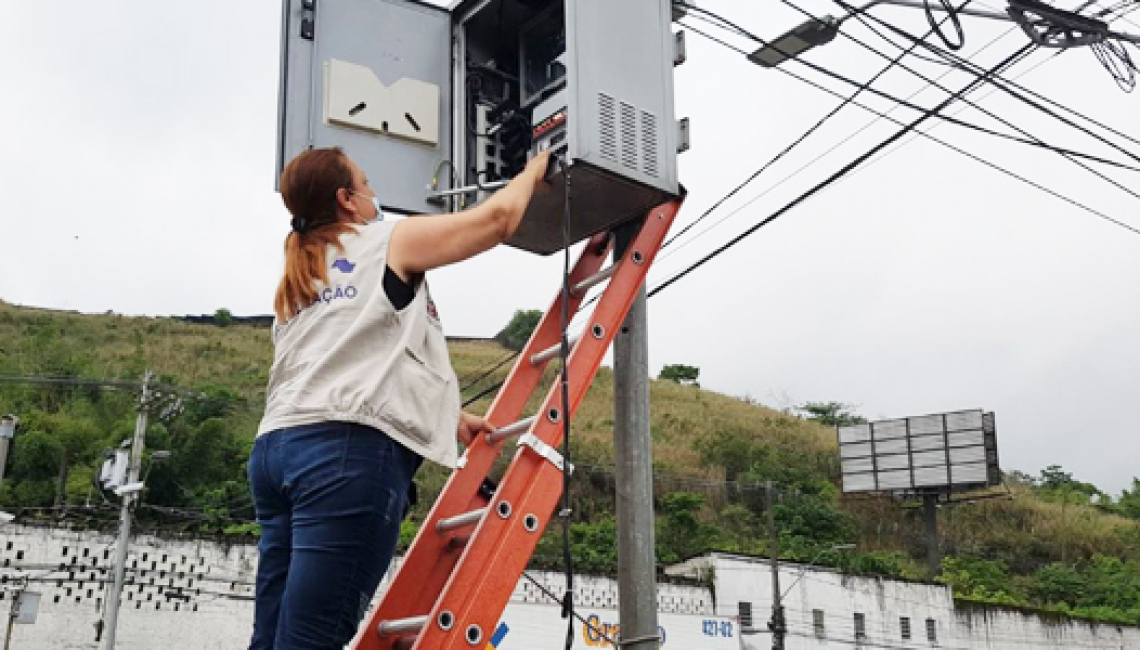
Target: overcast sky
[(137, 176)]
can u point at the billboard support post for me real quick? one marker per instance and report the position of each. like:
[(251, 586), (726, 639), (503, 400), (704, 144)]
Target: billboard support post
[(930, 519)]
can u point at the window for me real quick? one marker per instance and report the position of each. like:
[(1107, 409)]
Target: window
[(931, 630), (904, 627), (745, 612), (817, 622), (860, 626)]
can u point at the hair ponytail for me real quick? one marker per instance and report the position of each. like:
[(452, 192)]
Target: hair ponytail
[(308, 186)]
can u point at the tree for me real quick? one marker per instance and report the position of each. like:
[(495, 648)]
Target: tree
[(517, 332), (223, 318), (832, 414), (680, 531), (1059, 485), (1129, 503), (680, 373)]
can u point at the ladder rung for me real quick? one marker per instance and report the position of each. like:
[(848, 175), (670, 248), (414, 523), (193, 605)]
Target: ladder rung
[(401, 625), (594, 280), (553, 351), (516, 429), (459, 521)]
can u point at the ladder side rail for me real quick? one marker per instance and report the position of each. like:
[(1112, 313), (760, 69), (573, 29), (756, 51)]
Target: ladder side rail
[(487, 574), (432, 556)]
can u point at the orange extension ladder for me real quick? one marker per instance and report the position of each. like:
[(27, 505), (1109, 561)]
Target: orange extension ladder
[(461, 569)]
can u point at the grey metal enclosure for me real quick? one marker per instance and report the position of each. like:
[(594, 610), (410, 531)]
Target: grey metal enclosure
[(430, 101)]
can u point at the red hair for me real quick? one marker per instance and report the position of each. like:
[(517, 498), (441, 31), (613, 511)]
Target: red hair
[(309, 188)]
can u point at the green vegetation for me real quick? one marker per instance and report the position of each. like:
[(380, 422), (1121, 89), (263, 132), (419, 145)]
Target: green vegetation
[(1054, 543), (517, 332), (680, 373)]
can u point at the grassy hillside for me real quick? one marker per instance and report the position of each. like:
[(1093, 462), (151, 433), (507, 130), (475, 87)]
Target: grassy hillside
[(1048, 543)]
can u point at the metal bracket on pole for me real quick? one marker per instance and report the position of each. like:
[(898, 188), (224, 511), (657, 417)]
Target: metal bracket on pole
[(546, 451), (638, 639)]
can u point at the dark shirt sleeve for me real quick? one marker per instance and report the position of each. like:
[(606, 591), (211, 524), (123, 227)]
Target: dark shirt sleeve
[(399, 293)]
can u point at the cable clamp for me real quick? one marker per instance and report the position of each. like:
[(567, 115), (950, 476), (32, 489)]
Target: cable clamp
[(546, 451), (638, 639)]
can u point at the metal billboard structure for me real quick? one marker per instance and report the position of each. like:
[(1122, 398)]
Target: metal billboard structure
[(942, 453), (928, 457)]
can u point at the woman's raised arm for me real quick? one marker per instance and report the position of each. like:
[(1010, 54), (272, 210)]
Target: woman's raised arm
[(420, 244)]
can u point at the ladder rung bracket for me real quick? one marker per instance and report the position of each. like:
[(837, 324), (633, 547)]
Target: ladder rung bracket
[(511, 430), (539, 447), (594, 280), (554, 350), (402, 625), (459, 521)]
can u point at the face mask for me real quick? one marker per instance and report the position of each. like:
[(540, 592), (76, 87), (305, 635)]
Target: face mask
[(375, 203)]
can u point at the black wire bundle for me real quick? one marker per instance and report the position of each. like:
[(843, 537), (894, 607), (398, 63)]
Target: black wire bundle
[(936, 26), (1116, 60)]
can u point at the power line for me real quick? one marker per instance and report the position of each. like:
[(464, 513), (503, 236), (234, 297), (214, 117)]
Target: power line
[(1035, 142), (1032, 141), (485, 373), (720, 21), (839, 174), (1007, 87), (918, 133), (846, 100), (1067, 153), (905, 102)]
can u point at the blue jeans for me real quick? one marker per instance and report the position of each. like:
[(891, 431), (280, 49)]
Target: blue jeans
[(329, 498)]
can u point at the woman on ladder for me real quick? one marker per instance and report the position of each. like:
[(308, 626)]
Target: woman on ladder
[(360, 391)]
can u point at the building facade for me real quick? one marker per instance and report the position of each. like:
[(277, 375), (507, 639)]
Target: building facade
[(827, 609), (197, 594)]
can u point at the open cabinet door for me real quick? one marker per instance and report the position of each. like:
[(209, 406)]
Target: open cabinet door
[(374, 78)]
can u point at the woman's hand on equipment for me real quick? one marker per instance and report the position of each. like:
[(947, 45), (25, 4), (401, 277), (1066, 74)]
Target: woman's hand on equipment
[(420, 245), (471, 426)]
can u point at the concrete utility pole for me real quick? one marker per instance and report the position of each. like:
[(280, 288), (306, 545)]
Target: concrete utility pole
[(777, 625), (633, 451), (128, 497)]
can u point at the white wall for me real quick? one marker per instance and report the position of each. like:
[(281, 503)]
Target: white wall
[(883, 603), (198, 595), (999, 628), (186, 594)]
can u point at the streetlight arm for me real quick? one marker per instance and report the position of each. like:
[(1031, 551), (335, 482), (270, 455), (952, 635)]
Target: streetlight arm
[(918, 4), (803, 570)]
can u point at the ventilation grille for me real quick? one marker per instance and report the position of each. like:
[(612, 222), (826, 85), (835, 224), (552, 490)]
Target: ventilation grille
[(628, 136), (649, 144), (607, 126)]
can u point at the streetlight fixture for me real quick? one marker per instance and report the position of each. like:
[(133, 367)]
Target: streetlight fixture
[(801, 39), (821, 31)]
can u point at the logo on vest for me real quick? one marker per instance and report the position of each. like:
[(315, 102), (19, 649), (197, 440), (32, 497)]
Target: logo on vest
[(343, 265), (329, 294), (431, 310)]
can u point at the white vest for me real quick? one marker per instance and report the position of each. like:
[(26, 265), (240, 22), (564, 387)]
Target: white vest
[(351, 357)]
